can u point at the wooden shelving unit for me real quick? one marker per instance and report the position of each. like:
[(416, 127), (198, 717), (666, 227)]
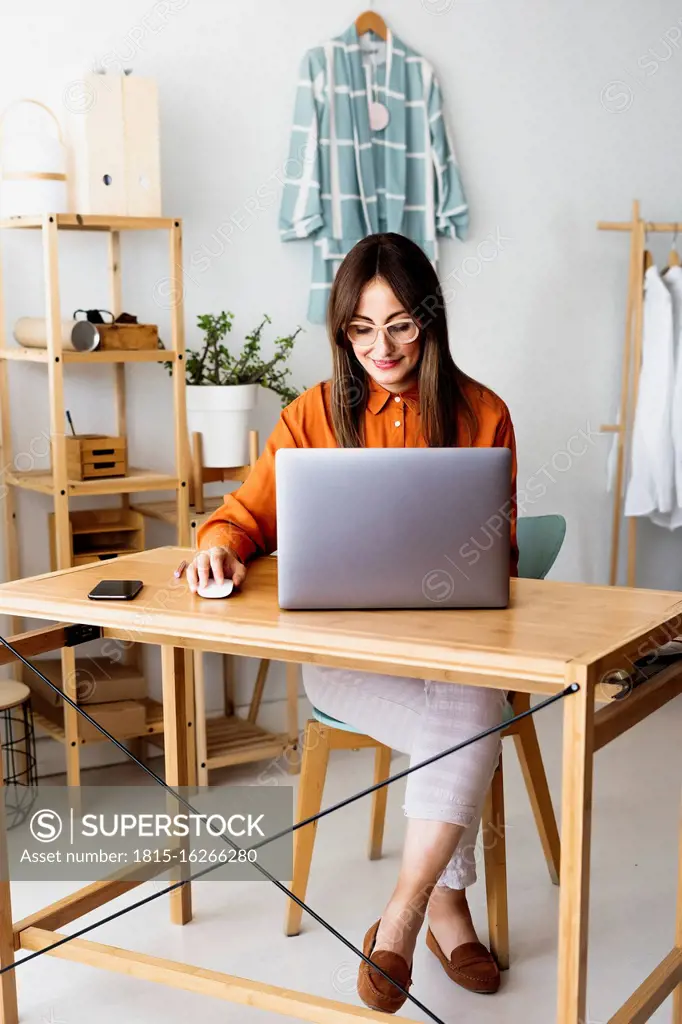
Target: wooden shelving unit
[(55, 482)]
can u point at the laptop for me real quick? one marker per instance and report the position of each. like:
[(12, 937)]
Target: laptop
[(393, 527)]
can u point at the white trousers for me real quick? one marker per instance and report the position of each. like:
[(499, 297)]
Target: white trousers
[(422, 718)]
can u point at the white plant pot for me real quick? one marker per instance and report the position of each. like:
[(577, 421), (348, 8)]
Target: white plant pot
[(221, 415)]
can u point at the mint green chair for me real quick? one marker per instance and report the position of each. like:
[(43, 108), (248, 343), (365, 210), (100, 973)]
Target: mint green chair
[(539, 539)]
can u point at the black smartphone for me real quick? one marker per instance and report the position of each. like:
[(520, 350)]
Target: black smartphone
[(115, 590)]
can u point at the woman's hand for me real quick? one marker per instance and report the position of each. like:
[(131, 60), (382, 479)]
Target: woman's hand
[(222, 563)]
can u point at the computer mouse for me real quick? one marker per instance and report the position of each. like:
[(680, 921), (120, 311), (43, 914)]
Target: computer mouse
[(213, 589)]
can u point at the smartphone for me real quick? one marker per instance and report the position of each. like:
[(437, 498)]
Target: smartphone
[(115, 590)]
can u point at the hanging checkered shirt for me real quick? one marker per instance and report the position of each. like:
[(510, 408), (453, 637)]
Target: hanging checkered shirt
[(343, 180)]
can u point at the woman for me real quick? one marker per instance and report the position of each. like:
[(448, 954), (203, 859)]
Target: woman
[(394, 384)]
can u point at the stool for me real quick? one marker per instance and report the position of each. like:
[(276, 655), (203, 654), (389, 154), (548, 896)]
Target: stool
[(19, 761)]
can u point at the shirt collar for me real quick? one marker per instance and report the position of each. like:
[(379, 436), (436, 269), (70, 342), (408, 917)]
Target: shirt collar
[(379, 397)]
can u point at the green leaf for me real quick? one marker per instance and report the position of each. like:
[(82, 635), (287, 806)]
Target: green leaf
[(214, 364)]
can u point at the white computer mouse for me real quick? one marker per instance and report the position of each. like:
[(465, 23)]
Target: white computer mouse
[(213, 589)]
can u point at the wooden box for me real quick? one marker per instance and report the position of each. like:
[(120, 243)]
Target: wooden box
[(98, 681), (99, 534), (114, 148), (122, 718), (127, 336), (89, 456)]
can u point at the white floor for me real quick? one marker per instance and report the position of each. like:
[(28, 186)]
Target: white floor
[(237, 927)]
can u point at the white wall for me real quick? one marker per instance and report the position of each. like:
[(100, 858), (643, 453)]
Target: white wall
[(562, 113)]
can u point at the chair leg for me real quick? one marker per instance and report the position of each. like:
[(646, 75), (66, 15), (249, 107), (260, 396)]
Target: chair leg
[(316, 748), (382, 770), (228, 661), (528, 751), (495, 857), (258, 689)]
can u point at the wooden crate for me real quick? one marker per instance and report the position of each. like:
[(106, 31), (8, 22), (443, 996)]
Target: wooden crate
[(122, 718), (99, 534), (98, 681), (89, 456), (127, 336)]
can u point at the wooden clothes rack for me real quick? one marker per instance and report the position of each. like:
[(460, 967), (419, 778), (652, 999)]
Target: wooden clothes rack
[(632, 361)]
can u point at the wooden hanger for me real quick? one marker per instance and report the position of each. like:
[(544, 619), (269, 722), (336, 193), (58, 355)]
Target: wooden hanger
[(370, 21), (648, 258)]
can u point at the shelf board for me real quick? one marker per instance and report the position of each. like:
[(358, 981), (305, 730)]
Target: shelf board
[(232, 740), (122, 355), (40, 355), (113, 527), (41, 480), (104, 552), (24, 355), (167, 511), (154, 717), (94, 222)]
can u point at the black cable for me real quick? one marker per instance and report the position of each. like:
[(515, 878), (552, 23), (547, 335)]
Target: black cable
[(343, 803), (573, 688), (263, 871)]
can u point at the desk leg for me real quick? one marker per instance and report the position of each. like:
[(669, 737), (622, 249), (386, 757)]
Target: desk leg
[(71, 716), (9, 1013), (177, 751), (576, 820), (677, 994), (190, 718)]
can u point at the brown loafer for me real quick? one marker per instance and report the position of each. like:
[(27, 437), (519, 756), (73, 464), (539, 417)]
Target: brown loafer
[(470, 965), (374, 990)]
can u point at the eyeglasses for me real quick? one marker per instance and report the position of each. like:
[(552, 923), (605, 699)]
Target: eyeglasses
[(401, 331)]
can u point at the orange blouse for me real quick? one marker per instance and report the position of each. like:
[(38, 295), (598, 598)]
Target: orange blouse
[(247, 521)]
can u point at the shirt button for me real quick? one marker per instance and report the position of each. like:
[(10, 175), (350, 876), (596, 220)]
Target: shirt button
[(397, 398), (397, 423)]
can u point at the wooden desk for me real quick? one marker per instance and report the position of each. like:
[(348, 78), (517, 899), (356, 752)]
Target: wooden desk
[(552, 635)]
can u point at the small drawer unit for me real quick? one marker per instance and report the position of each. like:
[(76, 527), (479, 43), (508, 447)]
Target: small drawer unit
[(90, 456)]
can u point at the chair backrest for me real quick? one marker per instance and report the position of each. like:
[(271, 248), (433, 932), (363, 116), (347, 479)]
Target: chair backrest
[(539, 539)]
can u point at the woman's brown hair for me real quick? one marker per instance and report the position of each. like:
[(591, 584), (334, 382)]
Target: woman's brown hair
[(443, 404)]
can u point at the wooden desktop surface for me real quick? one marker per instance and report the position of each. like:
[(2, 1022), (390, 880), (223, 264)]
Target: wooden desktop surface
[(547, 625)]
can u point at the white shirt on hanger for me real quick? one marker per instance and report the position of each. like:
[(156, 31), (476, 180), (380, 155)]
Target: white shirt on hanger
[(651, 487), (672, 279)]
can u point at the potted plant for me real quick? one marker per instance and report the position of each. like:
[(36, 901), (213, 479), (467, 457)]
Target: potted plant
[(222, 388)]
